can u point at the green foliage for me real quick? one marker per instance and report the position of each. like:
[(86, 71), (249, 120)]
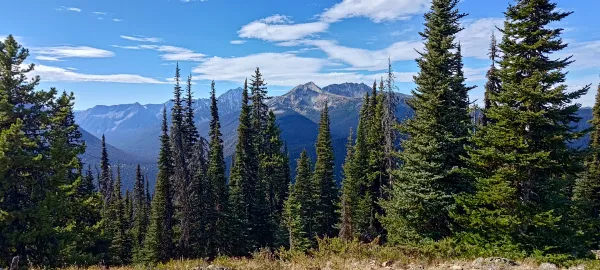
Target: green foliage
[(424, 186), (158, 245), (120, 248), (520, 161), (326, 203), (301, 206), (140, 215)]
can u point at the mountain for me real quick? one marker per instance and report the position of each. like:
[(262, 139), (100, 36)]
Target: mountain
[(127, 161), (134, 129)]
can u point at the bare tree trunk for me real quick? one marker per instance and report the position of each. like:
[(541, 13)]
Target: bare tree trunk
[(14, 265)]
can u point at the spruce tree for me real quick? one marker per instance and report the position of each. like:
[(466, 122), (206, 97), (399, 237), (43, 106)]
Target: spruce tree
[(350, 193), (191, 132), (424, 186), (586, 193), (216, 214), (105, 181), (493, 83), (158, 245), (87, 187), (301, 206), (243, 181), (389, 123), (140, 215), (120, 248), (324, 179), (521, 163)]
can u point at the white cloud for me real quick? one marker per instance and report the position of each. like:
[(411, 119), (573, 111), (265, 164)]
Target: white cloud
[(117, 20), (172, 53), (47, 58), (585, 54), (475, 38), (280, 28), (362, 59), (59, 52), (50, 73), (282, 69), (74, 9), (237, 42), (376, 10), (100, 13), (142, 38)]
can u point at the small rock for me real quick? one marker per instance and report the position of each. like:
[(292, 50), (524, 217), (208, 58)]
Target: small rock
[(387, 264), (548, 266), (456, 267)]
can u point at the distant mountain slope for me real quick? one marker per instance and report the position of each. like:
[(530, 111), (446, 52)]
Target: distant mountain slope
[(117, 157), (135, 128)]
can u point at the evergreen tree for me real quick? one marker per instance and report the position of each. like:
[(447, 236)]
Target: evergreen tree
[(158, 245), (350, 193), (191, 132), (105, 181), (260, 110), (423, 189), (586, 193), (216, 214), (521, 163), (140, 215), (243, 182), (389, 123), (493, 84), (87, 187), (301, 206), (120, 248), (274, 175), (323, 178)]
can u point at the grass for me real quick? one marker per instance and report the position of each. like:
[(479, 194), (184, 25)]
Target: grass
[(337, 254)]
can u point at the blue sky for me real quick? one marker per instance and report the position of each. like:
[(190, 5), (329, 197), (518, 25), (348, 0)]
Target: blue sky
[(114, 52)]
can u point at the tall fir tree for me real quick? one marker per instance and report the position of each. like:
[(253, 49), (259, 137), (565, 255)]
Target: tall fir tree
[(243, 181), (324, 179), (105, 182), (158, 245), (493, 84), (120, 246), (350, 193), (522, 166), (140, 215), (260, 110), (389, 124), (216, 215), (586, 193), (300, 207), (424, 186)]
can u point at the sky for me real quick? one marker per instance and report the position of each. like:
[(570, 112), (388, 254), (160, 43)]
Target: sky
[(114, 52)]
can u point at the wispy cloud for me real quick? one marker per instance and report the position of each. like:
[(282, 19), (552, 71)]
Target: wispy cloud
[(376, 10), (50, 73), (237, 42), (475, 38), (142, 38), (63, 8), (100, 13), (171, 53), (59, 52), (117, 20), (280, 28)]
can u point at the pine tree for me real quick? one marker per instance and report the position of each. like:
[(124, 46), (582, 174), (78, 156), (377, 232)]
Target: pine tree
[(493, 84), (274, 176), (120, 248), (586, 193), (105, 181), (191, 132), (389, 123), (260, 110), (87, 187), (521, 163), (217, 194), (301, 206), (243, 181), (140, 215), (350, 193), (424, 186), (158, 245), (324, 179)]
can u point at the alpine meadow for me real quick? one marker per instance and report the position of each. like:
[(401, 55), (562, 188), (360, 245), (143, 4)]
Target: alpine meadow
[(475, 145)]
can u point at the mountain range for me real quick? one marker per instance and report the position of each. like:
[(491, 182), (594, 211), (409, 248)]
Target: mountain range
[(132, 130)]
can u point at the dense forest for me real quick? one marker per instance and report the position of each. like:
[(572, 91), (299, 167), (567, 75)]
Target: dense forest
[(496, 179)]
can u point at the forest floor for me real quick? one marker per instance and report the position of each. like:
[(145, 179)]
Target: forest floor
[(344, 263)]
